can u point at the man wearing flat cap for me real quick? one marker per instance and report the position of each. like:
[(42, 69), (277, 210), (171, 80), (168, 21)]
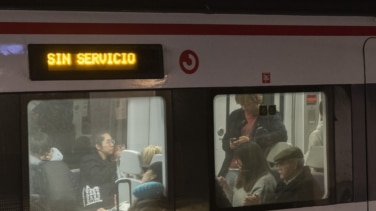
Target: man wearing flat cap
[(297, 182)]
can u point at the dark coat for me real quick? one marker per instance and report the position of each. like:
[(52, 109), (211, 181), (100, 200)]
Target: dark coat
[(95, 171), (266, 131), (303, 188)]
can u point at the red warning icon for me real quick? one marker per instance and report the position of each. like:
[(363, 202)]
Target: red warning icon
[(266, 78), (189, 61)]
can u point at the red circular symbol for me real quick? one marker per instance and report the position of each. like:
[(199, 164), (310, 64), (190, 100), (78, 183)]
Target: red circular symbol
[(188, 61)]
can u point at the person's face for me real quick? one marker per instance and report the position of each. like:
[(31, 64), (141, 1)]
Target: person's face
[(148, 176), (46, 156), (107, 147), (250, 107), (286, 169)]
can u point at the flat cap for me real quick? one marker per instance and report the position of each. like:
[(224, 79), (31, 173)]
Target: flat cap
[(289, 153)]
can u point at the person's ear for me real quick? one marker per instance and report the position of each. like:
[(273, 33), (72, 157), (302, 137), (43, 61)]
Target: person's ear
[(295, 164), (97, 146)]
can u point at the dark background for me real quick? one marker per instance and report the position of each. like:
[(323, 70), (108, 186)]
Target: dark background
[(288, 7)]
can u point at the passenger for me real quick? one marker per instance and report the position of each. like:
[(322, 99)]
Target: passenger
[(40, 150), (254, 184), (148, 152), (245, 124), (151, 179), (151, 192), (316, 138), (98, 173), (153, 173), (297, 182)]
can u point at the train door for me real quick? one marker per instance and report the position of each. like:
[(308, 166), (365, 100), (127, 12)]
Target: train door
[(370, 80)]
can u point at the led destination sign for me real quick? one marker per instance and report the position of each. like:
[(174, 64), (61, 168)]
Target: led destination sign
[(96, 61), (92, 61)]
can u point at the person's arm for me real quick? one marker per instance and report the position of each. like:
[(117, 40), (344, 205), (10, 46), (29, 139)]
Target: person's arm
[(232, 133), (270, 130), (225, 187), (262, 191)]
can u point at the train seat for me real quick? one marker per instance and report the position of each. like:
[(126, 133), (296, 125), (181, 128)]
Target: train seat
[(315, 158), (130, 164), (157, 158), (57, 188)]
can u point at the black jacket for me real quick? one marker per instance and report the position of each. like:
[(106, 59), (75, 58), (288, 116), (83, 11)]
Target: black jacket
[(266, 131), (303, 188), (95, 171)]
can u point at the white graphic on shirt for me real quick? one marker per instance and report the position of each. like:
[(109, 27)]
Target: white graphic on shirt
[(91, 195)]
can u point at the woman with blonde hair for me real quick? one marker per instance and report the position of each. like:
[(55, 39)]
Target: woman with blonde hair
[(148, 153)]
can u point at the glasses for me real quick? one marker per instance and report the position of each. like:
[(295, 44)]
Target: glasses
[(110, 141)]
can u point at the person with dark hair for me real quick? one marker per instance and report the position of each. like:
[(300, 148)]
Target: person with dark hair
[(98, 172), (246, 124), (254, 184), (297, 182), (153, 173), (40, 149), (152, 183), (150, 193)]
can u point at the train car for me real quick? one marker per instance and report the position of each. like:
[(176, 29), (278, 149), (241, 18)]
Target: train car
[(175, 81)]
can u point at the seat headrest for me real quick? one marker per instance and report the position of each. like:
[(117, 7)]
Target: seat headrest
[(315, 157), (130, 162)]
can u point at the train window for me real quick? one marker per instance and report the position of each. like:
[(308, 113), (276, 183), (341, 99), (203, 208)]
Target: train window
[(270, 148), (85, 151)]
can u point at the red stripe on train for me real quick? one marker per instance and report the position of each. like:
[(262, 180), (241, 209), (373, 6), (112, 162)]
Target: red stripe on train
[(182, 29)]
